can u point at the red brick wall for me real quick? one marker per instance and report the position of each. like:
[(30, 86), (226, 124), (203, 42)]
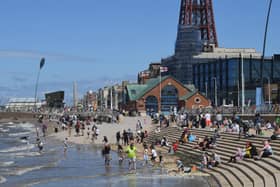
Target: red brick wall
[(190, 103), (156, 92)]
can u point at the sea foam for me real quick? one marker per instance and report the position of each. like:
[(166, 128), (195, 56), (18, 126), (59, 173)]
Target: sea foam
[(2, 179), (8, 163), (19, 134), (4, 130), (18, 148), (21, 171)]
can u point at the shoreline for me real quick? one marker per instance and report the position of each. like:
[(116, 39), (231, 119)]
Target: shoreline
[(109, 130)]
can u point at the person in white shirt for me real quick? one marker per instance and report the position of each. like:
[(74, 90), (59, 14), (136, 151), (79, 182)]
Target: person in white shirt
[(208, 119), (154, 153)]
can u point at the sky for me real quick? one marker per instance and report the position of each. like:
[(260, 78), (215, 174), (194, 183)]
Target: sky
[(98, 43)]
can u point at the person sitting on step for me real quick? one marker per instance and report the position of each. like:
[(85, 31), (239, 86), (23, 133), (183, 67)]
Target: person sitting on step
[(266, 151), (238, 155)]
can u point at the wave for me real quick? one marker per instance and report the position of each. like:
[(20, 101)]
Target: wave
[(23, 154), (8, 163), (19, 148), (28, 126), (4, 130), (21, 171), (2, 179), (12, 126), (19, 133)]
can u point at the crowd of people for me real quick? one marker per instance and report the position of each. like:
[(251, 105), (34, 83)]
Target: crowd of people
[(246, 128), (126, 148), (127, 139)]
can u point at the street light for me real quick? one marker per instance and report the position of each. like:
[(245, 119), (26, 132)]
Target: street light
[(42, 63), (206, 89), (215, 86), (264, 41)]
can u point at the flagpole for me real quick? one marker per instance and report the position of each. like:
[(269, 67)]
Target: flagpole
[(160, 89), (242, 84), (42, 62)]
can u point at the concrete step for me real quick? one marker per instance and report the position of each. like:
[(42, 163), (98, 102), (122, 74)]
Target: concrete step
[(258, 180), (265, 172), (232, 177), (260, 166), (258, 169), (269, 180), (223, 182)]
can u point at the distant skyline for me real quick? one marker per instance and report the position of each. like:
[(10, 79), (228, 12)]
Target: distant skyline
[(95, 42)]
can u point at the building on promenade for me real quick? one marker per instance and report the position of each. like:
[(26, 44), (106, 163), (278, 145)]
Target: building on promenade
[(22, 104), (115, 96), (199, 61), (152, 72), (103, 96), (90, 101), (55, 99), (222, 69), (111, 97), (162, 95)]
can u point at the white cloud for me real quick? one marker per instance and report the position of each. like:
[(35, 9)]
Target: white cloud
[(38, 55)]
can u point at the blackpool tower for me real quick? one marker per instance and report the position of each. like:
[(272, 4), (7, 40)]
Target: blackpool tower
[(199, 14), (196, 31)]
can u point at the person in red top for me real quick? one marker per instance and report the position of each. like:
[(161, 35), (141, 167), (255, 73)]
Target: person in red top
[(175, 146)]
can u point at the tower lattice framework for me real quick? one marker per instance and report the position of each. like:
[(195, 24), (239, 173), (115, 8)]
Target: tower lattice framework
[(199, 13)]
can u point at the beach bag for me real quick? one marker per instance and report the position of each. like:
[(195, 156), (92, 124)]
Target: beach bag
[(273, 137)]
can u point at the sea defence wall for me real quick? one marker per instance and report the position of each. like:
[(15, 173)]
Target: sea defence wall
[(17, 115)]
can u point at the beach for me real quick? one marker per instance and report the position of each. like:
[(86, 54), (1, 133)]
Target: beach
[(82, 164)]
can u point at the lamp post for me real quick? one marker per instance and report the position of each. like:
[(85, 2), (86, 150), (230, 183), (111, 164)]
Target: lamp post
[(206, 89), (42, 63), (111, 98), (242, 84), (264, 42), (215, 87)]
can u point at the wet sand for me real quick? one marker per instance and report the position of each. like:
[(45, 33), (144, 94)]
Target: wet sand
[(110, 130)]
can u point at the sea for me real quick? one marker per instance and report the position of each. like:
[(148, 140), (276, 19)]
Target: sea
[(22, 165)]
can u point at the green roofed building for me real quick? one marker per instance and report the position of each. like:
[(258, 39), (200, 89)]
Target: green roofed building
[(162, 95)]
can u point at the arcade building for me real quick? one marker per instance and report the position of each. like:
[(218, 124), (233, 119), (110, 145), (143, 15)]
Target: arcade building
[(162, 95)]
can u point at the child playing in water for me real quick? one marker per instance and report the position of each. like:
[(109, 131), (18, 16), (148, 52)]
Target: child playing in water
[(145, 155), (40, 145), (120, 154), (65, 145)]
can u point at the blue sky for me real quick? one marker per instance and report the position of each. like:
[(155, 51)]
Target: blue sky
[(96, 41)]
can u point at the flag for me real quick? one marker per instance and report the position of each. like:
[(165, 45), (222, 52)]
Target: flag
[(163, 69), (42, 62), (144, 73)]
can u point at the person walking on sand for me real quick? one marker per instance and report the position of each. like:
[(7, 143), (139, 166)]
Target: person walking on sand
[(70, 128), (131, 155)]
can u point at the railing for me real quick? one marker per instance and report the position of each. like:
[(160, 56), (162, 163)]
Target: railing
[(265, 109)]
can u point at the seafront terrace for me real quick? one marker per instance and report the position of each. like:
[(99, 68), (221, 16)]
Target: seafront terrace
[(247, 172)]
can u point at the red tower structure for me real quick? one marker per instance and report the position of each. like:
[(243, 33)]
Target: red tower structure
[(199, 13)]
